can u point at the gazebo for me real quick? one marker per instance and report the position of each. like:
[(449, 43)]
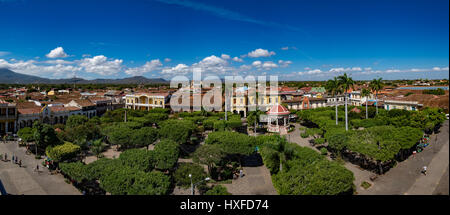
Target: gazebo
[(278, 119)]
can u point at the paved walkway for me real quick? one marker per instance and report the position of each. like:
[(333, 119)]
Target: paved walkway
[(256, 181), (405, 178), (18, 181)]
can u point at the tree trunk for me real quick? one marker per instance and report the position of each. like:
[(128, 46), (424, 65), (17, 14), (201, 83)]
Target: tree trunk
[(346, 116), (376, 100), (367, 113), (336, 110)]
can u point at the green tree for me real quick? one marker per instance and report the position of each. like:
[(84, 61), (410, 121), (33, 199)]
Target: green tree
[(209, 155), (181, 175), (177, 130), (140, 159), (63, 152), (26, 134), (376, 85), (144, 136), (166, 154), (334, 88), (44, 135), (218, 190), (346, 83), (76, 120), (97, 147), (365, 93)]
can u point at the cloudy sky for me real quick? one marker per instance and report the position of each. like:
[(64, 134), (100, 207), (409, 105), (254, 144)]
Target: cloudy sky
[(296, 40)]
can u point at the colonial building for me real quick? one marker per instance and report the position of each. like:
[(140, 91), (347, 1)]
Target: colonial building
[(146, 101), (8, 116), (50, 114), (398, 103), (102, 104), (88, 108)]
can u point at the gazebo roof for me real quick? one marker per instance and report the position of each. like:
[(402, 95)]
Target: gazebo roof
[(278, 110)]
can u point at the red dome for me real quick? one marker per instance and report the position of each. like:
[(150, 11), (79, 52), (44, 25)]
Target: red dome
[(278, 110)]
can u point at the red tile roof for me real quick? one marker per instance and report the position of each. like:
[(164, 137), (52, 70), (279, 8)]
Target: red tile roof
[(278, 110)]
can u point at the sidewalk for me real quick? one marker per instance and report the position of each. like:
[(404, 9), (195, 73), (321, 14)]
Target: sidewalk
[(24, 180)]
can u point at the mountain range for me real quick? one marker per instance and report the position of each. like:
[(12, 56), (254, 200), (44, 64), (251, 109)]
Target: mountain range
[(8, 76)]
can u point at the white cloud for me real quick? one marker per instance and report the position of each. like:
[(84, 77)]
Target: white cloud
[(257, 63), (149, 66), (58, 61), (225, 56), (269, 65), (177, 70), (284, 63), (101, 65), (311, 72), (57, 53), (341, 69), (284, 48), (32, 67), (167, 60), (260, 53), (236, 59)]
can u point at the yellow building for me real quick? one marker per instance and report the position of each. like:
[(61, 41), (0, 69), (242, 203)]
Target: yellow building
[(242, 102), (8, 116), (146, 101)]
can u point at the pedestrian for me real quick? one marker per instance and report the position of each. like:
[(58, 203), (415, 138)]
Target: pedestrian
[(6, 157), (15, 161), (12, 160), (20, 163), (424, 170), (241, 173)]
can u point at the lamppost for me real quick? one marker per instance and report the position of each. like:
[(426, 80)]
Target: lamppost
[(193, 185)]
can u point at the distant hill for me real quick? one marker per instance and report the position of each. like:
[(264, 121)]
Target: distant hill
[(10, 77)]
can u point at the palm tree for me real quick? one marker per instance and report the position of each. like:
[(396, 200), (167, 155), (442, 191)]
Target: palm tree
[(346, 83), (376, 85), (334, 89), (366, 92)]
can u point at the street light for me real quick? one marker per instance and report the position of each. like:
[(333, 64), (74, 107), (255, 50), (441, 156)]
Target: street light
[(193, 185)]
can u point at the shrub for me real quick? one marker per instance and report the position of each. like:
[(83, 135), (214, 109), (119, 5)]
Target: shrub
[(220, 125), (62, 152), (271, 159), (319, 141), (76, 171), (323, 151), (304, 135)]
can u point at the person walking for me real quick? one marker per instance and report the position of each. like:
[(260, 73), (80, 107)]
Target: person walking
[(6, 157), (20, 163), (424, 170), (12, 160)]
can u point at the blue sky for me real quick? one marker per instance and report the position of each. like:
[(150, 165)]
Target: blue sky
[(296, 40)]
